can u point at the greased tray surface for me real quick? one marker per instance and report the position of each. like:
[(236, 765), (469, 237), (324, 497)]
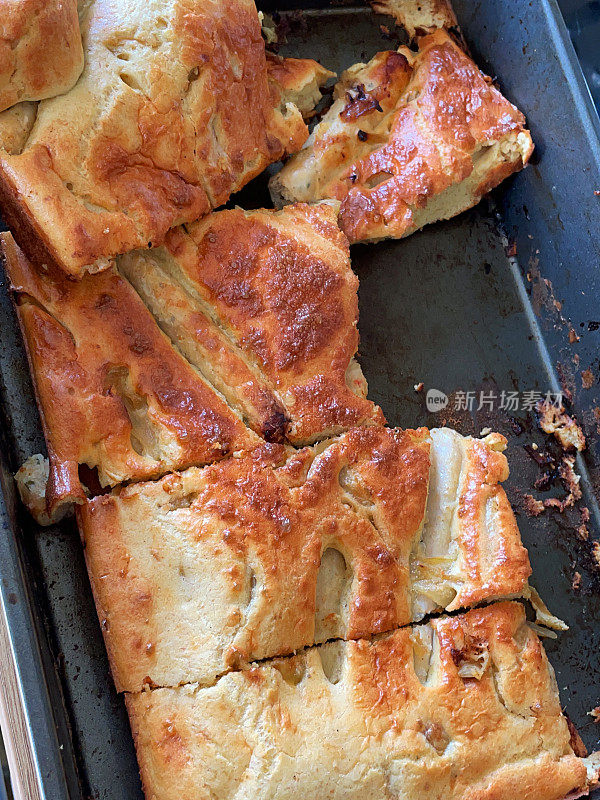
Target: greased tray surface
[(447, 307)]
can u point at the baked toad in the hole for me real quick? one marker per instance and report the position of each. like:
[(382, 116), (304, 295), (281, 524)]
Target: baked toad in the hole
[(175, 110), (206, 570), (412, 137), (463, 708), (243, 325)]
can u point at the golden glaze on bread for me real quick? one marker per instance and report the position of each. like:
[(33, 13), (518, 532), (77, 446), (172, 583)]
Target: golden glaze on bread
[(258, 556), (265, 305), (174, 111), (464, 708), (113, 393), (411, 138), (40, 49), (255, 320)]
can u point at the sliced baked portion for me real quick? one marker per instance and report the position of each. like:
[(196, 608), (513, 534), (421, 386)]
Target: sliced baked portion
[(265, 305), (158, 363), (202, 571), (411, 138), (461, 708), (113, 393), (40, 49), (174, 111), (419, 16)]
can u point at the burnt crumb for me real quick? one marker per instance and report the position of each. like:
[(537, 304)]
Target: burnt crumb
[(353, 178), (362, 135), (541, 457), (576, 582), (567, 382), (533, 507), (554, 420), (543, 482), (582, 528), (358, 103), (595, 549), (593, 325)]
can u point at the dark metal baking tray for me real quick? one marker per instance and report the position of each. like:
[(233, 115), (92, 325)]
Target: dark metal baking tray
[(447, 307)]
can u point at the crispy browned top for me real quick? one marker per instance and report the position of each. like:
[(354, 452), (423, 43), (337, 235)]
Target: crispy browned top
[(113, 392), (252, 532), (173, 112), (40, 49), (258, 556), (404, 128), (463, 708), (265, 305)]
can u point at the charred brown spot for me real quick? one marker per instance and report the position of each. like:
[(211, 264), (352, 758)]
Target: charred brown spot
[(359, 102), (274, 428)]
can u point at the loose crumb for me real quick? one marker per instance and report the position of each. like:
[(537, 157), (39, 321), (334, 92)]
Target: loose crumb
[(569, 477), (596, 554), (576, 582), (418, 387), (533, 507), (573, 337), (553, 419), (582, 529), (595, 712), (587, 378)]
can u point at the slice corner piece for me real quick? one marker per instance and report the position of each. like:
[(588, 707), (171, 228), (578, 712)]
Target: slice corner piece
[(411, 138), (462, 707)]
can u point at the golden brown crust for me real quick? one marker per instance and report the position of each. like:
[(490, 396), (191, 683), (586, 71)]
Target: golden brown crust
[(173, 112), (112, 391), (40, 49), (15, 125), (410, 139), (266, 305), (297, 81), (418, 16), (360, 719), (259, 556)]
